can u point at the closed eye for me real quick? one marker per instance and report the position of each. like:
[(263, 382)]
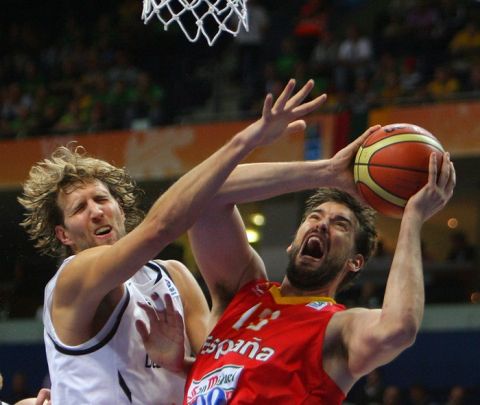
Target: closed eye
[(101, 198), (314, 216), (342, 223), (78, 208)]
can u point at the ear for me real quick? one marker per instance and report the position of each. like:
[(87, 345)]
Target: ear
[(289, 248), (356, 264), (62, 235)]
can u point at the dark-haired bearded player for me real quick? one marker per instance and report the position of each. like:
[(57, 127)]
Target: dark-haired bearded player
[(292, 343)]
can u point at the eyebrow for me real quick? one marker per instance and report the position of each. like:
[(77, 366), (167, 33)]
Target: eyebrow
[(75, 205), (337, 216)]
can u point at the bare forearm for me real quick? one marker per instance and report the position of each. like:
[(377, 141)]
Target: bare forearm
[(190, 194), (199, 186), (178, 208), (379, 336), (260, 181), (375, 337), (404, 295)]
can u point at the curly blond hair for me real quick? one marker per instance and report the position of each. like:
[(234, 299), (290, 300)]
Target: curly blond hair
[(69, 165)]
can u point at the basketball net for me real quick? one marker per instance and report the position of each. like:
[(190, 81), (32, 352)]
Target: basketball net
[(199, 17)]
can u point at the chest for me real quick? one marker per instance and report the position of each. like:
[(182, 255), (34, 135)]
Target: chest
[(261, 332), (264, 352)]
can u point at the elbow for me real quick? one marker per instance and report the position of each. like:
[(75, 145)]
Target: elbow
[(405, 333), (401, 332), (408, 336)]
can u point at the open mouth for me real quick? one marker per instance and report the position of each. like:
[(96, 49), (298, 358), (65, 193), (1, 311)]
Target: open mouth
[(313, 247), (104, 230)]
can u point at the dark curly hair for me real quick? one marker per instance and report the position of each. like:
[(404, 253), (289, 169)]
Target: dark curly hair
[(366, 237)]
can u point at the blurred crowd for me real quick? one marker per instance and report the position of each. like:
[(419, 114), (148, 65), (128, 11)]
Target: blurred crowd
[(455, 272), (91, 67), (373, 390), (73, 74), (71, 68), (364, 54)]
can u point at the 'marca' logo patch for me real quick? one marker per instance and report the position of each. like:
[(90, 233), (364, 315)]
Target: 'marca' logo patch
[(222, 380)]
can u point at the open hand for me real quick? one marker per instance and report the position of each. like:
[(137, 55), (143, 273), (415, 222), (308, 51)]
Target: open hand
[(164, 341), (285, 115)]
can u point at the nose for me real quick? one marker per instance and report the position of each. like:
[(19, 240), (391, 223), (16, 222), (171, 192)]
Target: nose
[(322, 226), (96, 210)]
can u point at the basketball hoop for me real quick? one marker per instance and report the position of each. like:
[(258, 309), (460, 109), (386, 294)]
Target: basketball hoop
[(207, 17)]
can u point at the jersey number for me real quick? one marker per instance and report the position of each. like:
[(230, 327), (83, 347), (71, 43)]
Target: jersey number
[(259, 322)]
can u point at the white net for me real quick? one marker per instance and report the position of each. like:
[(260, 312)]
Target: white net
[(199, 17)]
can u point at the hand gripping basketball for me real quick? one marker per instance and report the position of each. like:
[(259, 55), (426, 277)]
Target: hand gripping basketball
[(392, 164)]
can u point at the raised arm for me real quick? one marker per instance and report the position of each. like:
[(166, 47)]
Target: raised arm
[(95, 272), (374, 337), (221, 249), (259, 181)]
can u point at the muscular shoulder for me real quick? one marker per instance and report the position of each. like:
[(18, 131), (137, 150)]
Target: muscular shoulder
[(342, 321), (78, 277), (337, 346), (75, 266), (339, 329), (184, 280), (193, 300), (179, 273)]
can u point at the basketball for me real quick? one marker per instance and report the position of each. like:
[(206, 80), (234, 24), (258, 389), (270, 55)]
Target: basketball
[(392, 165)]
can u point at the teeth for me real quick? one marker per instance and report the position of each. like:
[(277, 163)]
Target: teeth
[(313, 247), (102, 230), (313, 239), (313, 243)]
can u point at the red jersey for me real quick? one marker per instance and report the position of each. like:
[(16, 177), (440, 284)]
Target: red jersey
[(265, 349)]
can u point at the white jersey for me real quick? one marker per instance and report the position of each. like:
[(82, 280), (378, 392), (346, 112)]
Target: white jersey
[(113, 366)]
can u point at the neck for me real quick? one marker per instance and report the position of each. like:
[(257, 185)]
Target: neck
[(288, 290)]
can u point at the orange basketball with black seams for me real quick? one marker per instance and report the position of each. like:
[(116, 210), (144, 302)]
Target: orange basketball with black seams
[(392, 165)]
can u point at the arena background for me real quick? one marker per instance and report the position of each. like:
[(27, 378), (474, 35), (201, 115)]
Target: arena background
[(148, 99)]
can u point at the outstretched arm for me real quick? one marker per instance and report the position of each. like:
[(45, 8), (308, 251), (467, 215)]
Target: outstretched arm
[(375, 337), (95, 272), (260, 181), (221, 224)]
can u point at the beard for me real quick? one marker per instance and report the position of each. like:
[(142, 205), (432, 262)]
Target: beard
[(312, 279)]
